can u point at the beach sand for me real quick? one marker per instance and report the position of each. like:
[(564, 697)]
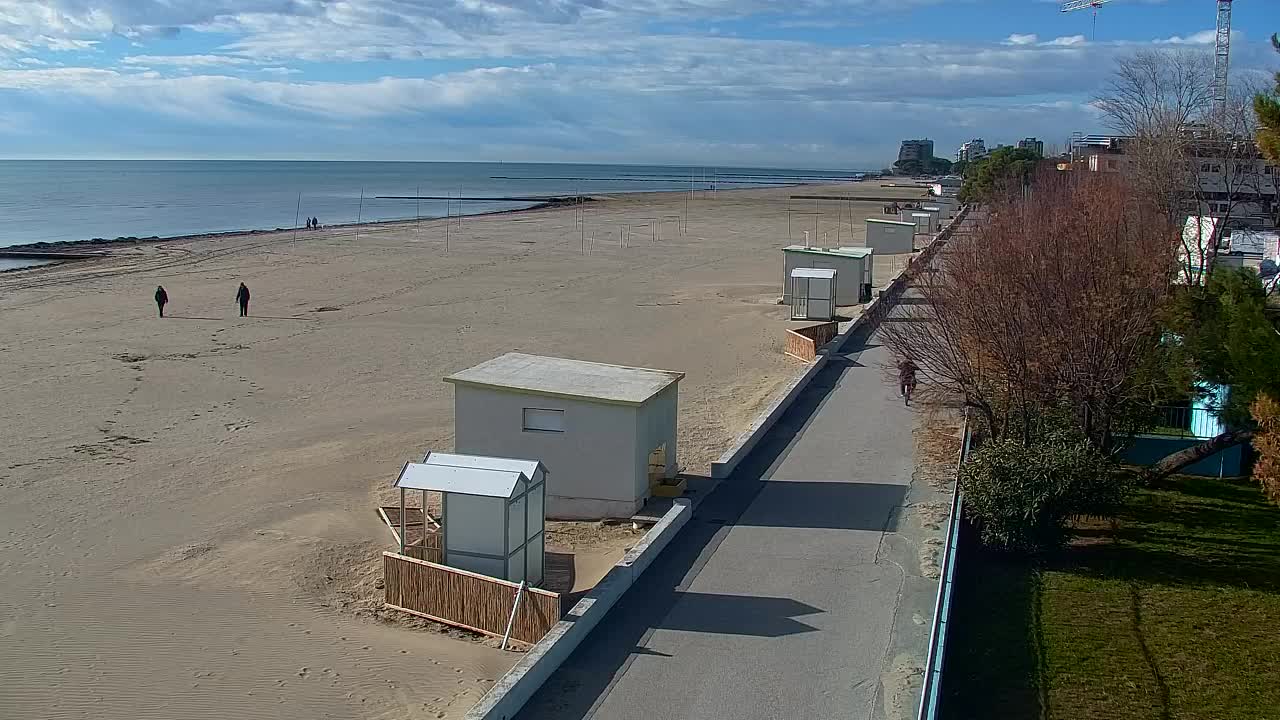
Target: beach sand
[(187, 504)]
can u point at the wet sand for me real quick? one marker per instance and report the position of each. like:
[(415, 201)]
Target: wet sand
[(187, 504)]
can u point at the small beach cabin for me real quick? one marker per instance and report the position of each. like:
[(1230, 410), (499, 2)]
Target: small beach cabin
[(605, 433), (853, 266), (492, 512), (813, 294), (891, 237), (925, 222)]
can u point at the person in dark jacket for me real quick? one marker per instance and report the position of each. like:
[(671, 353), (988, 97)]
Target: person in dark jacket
[(162, 299), (242, 297)]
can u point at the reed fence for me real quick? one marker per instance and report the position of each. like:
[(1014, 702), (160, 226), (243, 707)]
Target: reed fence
[(803, 343), (465, 599)]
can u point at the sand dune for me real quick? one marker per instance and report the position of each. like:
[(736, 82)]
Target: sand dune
[(186, 505)]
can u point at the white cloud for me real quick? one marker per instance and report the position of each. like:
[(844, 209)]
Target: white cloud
[(1068, 40), (1204, 37), (1016, 39), (184, 60)]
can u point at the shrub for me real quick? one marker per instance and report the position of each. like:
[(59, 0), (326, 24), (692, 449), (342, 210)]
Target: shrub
[(1020, 496), (1266, 412)]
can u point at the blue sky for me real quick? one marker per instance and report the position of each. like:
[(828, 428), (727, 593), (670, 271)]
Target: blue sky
[(818, 83)]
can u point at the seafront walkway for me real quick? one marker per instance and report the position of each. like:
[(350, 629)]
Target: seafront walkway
[(795, 591)]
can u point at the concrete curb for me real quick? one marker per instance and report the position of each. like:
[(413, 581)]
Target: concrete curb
[(514, 689), (746, 442)]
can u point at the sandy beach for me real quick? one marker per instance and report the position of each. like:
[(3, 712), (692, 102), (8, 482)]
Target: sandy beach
[(187, 504)]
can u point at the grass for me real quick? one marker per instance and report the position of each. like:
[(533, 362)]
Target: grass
[(1170, 612)]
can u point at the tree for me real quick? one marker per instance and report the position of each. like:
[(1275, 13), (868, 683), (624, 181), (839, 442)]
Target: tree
[(959, 167), (932, 166), (1048, 312), (1267, 108), (1181, 154), (1266, 413), (984, 175), (1226, 339)]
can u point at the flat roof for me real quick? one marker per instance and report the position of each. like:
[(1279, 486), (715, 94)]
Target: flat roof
[(890, 222), (529, 468), (825, 273), (465, 480), (854, 252), (561, 377)]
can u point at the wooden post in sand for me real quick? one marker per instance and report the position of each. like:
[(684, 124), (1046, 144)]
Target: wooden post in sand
[(417, 198), (448, 220), (839, 224), (297, 215)]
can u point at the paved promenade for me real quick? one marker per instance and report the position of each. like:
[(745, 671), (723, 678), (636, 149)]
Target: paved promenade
[(794, 592)]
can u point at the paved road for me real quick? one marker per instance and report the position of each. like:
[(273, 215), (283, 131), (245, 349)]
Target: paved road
[(795, 590)]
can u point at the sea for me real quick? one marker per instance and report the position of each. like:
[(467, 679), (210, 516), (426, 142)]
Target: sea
[(72, 200)]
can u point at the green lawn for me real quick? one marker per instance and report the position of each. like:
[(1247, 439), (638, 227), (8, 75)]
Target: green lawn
[(1174, 613)]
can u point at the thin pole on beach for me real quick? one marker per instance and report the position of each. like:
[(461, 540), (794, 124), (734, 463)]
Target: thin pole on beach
[(417, 197), (839, 224), (815, 219), (297, 215), (360, 215), (448, 220), (850, 204), (789, 235), (582, 222)]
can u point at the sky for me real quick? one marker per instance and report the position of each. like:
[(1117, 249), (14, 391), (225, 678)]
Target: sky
[(788, 83)]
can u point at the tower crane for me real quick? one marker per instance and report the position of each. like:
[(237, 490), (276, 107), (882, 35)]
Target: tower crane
[(1221, 46)]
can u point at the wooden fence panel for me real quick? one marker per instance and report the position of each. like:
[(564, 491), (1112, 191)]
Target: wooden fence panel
[(803, 343), (466, 599)]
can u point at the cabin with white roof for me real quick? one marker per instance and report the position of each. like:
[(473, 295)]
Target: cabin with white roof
[(605, 433), (492, 512)]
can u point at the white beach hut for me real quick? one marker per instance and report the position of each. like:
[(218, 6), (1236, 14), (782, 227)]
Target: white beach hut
[(606, 433), (852, 264), (492, 514), (890, 237), (925, 221), (813, 294)]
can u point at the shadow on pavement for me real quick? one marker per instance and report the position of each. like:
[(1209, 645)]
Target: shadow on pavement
[(757, 616)]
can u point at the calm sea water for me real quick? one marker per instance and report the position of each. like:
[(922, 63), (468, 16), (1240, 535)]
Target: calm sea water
[(43, 200)]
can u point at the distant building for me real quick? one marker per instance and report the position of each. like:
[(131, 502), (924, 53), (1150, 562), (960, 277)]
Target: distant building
[(1226, 180), (973, 150), (920, 151), (1032, 144)]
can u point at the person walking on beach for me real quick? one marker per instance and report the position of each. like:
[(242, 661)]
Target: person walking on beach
[(242, 297), (162, 299)]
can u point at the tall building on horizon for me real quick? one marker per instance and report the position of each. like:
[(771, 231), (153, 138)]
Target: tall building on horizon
[(1032, 144), (972, 150), (920, 151)]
